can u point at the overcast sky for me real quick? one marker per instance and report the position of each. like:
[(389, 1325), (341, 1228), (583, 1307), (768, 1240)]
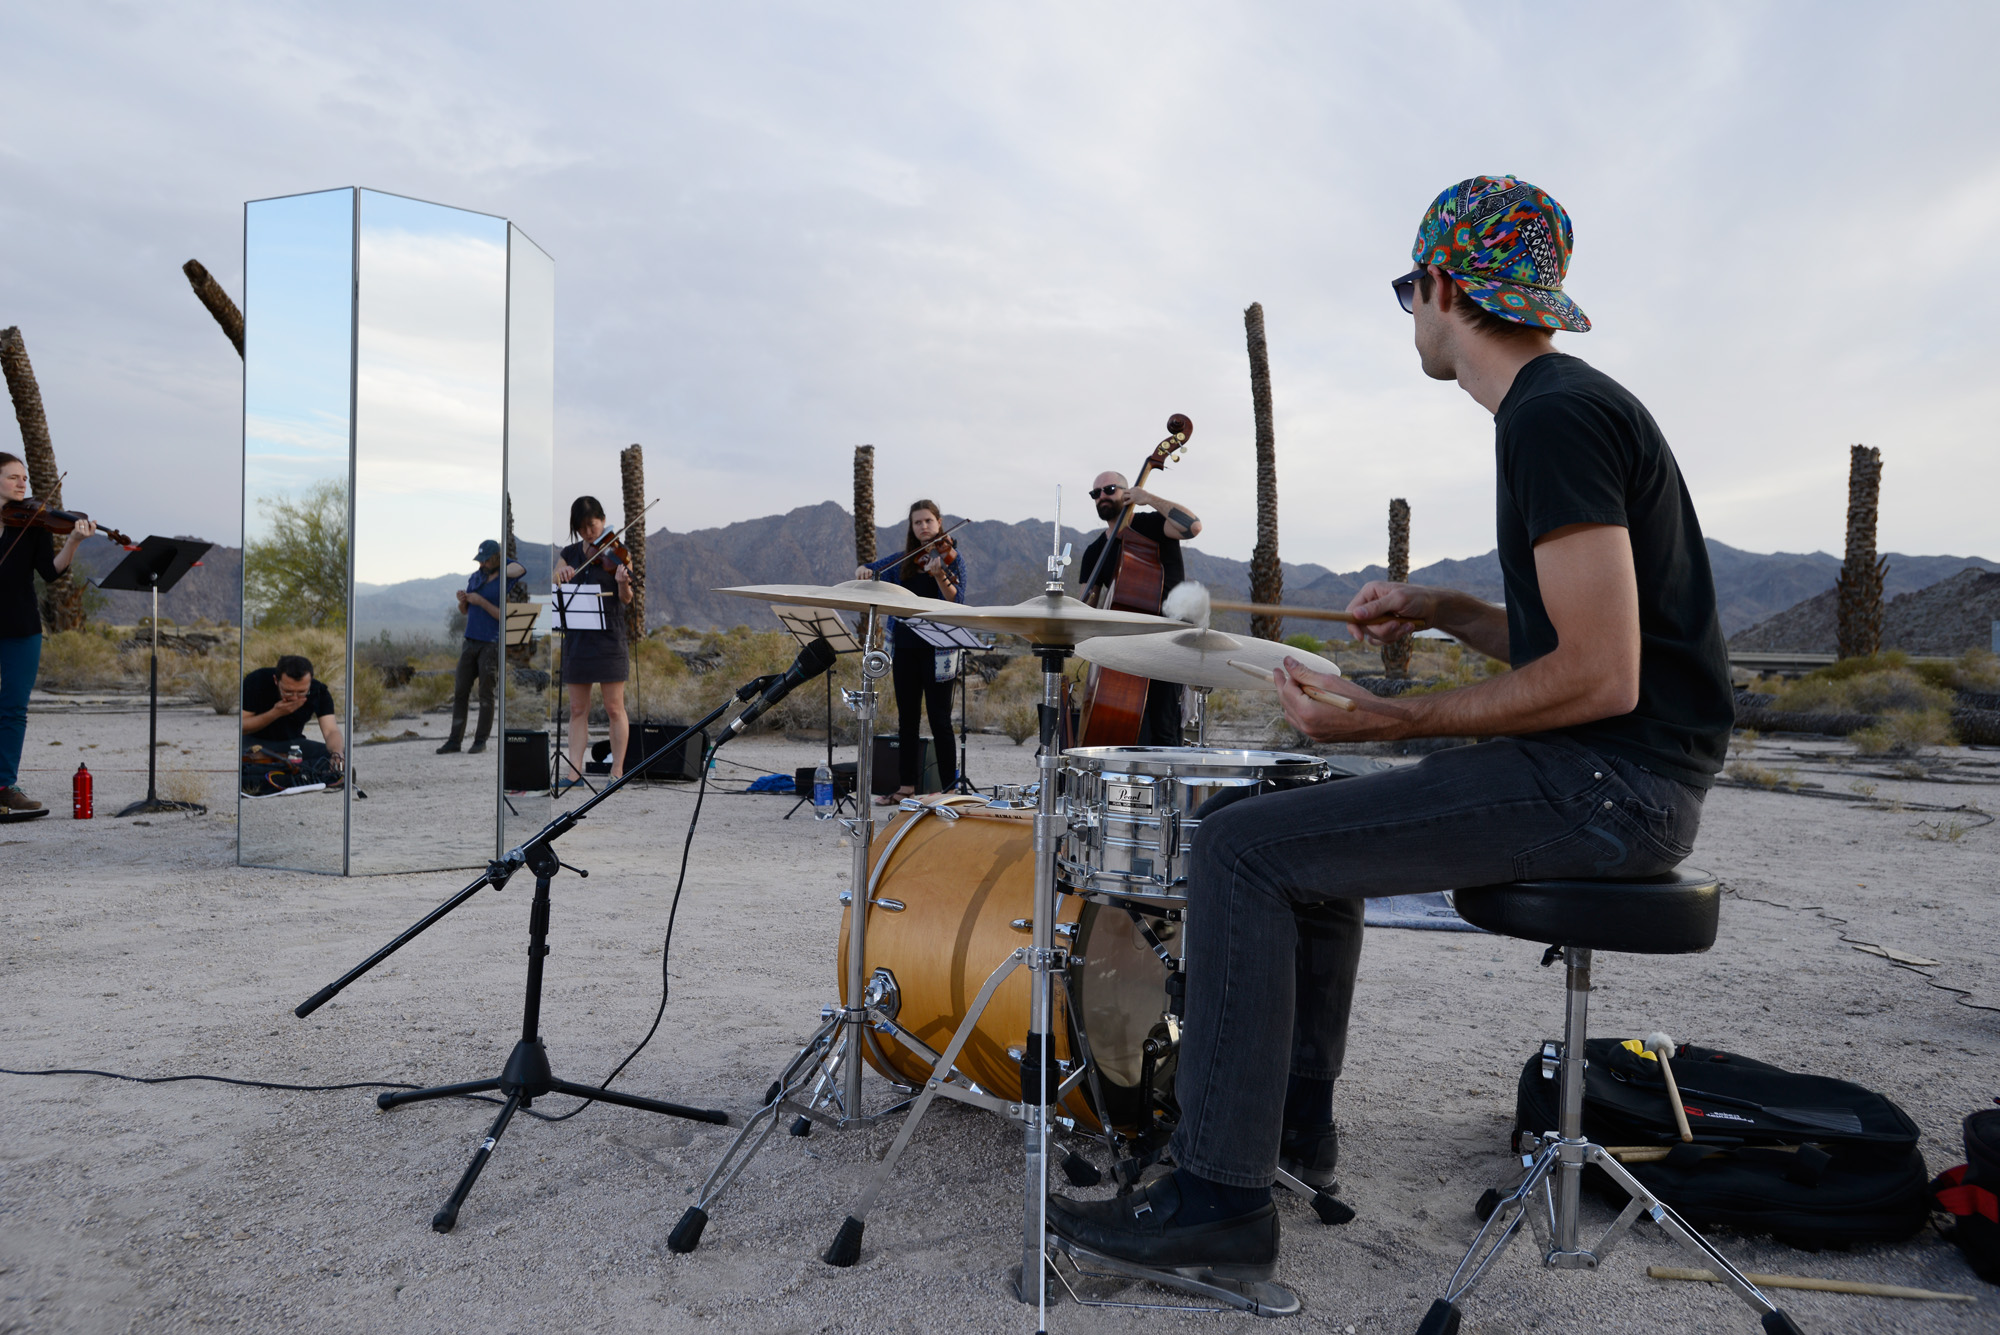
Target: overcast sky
[(1002, 243)]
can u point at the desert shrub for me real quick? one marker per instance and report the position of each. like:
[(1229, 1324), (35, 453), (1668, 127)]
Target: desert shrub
[(1744, 771), (1312, 644), (427, 690), (212, 679), (179, 784), (1973, 670), (1883, 691), (1906, 733), (1018, 721), (372, 706), (82, 659)]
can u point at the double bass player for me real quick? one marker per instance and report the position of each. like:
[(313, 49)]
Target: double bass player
[(1166, 525)]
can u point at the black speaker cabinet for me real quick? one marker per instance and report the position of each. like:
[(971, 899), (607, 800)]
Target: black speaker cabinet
[(524, 761), (889, 766), (683, 762), (843, 779)]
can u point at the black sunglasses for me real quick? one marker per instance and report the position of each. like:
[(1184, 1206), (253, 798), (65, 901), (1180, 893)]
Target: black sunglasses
[(1096, 492), (1405, 289)]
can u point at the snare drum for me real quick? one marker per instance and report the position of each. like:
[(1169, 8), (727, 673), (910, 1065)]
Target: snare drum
[(1132, 811)]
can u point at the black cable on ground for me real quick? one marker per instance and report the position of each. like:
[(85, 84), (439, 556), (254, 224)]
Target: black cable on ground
[(666, 954), (1960, 995)]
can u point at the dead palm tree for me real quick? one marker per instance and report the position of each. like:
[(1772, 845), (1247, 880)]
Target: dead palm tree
[(1396, 656), (864, 504), (1861, 575), (217, 301), (62, 601), (1267, 576), (632, 471)]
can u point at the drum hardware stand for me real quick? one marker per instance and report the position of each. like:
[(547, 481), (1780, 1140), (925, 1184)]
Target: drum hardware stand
[(527, 1075), (827, 1070), (1201, 714)]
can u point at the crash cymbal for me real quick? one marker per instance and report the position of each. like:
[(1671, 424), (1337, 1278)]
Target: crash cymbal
[(1200, 658), (1050, 619), (855, 595)]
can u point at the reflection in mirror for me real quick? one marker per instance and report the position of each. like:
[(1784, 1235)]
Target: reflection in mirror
[(431, 580), (298, 286), (528, 694)]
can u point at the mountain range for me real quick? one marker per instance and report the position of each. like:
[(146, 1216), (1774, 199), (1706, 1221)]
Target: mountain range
[(814, 544)]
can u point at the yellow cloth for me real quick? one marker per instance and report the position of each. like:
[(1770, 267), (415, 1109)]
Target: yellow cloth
[(1634, 1045)]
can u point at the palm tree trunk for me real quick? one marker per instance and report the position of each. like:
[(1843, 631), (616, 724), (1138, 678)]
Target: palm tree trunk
[(632, 469), (1860, 583), (219, 305), (1267, 576), (864, 504), (1396, 657), (62, 602)]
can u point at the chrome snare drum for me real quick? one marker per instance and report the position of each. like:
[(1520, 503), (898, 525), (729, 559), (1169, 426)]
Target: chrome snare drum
[(1131, 812)]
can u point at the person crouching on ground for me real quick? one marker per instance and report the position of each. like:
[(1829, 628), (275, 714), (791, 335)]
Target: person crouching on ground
[(278, 702)]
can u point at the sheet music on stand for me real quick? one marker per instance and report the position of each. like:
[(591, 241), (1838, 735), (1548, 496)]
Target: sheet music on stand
[(950, 642), (579, 607), (807, 624)]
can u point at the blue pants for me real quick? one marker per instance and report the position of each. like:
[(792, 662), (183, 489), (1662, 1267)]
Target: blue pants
[(20, 660), (1275, 893)]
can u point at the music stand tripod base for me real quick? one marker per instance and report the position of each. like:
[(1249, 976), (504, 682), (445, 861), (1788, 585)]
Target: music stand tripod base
[(10, 817)]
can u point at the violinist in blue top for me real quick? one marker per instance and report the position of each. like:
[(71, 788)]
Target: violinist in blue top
[(936, 572)]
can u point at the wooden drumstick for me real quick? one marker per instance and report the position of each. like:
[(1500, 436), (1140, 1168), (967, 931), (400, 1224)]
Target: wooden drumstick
[(1318, 693), (1310, 613), (1662, 1047)]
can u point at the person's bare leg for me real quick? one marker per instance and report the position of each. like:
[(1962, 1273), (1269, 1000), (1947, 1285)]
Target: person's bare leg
[(579, 730), (614, 709)]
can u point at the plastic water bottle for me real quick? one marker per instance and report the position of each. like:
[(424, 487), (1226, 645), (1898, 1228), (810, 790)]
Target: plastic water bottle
[(822, 793), (296, 756)]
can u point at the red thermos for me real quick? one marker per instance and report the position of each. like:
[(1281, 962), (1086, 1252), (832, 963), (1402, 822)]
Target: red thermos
[(80, 794)]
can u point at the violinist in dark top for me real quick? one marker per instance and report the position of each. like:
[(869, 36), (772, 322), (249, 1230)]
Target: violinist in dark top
[(24, 553), (1169, 524), (595, 657), (936, 572)]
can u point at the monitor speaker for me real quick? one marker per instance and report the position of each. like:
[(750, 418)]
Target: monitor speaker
[(683, 762), (524, 761), (889, 766)]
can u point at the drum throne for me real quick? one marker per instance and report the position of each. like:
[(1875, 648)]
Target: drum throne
[(1672, 914)]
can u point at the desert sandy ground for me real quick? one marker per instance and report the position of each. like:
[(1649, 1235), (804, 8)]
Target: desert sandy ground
[(142, 948)]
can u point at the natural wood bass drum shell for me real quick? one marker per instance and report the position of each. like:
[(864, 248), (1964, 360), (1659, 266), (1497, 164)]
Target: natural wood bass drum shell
[(964, 884)]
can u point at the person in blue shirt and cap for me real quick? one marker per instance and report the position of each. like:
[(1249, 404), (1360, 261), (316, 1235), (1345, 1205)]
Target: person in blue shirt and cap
[(479, 656)]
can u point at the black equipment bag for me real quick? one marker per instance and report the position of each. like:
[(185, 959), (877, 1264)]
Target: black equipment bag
[(1970, 1194), (1815, 1161)]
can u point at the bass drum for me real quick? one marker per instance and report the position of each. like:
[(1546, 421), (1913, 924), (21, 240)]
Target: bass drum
[(948, 903)]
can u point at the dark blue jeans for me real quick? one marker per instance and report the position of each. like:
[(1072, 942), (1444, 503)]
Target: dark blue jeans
[(1282, 877), (20, 660)]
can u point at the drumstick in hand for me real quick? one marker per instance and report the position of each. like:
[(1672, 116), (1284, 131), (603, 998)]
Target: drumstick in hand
[(1318, 693)]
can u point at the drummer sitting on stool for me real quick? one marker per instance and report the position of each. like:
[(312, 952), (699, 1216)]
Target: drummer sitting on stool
[(1610, 728)]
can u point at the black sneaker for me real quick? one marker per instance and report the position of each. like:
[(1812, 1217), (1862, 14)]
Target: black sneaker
[(1139, 1228), (1311, 1154), (450, 748), (474, 749)]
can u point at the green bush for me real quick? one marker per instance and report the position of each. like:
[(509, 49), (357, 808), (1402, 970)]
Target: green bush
[(1906, 733), (81, 660)]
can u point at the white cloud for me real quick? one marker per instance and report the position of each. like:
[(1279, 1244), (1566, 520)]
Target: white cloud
[(1002, 243)]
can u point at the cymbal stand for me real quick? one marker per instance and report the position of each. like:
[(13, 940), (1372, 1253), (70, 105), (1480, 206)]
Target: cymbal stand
[(826, 1072)]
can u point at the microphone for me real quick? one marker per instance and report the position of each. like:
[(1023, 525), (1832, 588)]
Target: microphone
[(814, 659)]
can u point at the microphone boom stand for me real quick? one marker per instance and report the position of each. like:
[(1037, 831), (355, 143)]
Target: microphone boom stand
[(527, 1075)]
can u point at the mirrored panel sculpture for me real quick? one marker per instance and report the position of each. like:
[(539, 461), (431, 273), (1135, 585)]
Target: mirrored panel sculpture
[(298, 278), (381, 420), (430, 414), (528, 694)]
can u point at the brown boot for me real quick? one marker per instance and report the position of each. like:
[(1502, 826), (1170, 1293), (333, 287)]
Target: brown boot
[(13, 799)]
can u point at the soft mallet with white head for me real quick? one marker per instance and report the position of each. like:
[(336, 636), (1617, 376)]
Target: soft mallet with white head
[(1662, 1047)]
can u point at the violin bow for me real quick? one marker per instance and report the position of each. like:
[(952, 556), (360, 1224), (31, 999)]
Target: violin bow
[(920, 547)]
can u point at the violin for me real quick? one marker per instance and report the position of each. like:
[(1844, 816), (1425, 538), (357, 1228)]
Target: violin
[(32, 513), (939, 558)]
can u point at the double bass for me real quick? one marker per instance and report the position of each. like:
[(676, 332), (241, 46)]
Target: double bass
[(1129, 577)]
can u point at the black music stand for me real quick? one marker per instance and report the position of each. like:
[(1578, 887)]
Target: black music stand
[(950, 639), (154, 567), (807, 624)]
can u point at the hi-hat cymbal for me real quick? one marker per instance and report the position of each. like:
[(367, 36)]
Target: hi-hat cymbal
[(1200, 658), (855, 595), (1051, 619)]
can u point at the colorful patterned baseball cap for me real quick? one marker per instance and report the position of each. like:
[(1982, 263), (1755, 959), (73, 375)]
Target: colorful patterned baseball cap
[(1506, 244)]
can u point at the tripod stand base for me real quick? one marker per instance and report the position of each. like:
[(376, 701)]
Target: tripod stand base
[(155, 804), (11, 817), (528, 1077)]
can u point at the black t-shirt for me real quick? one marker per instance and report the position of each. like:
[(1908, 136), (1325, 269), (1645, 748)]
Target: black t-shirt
[(260, 692), (24, 553), (1574, 446), (1151, 524)]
